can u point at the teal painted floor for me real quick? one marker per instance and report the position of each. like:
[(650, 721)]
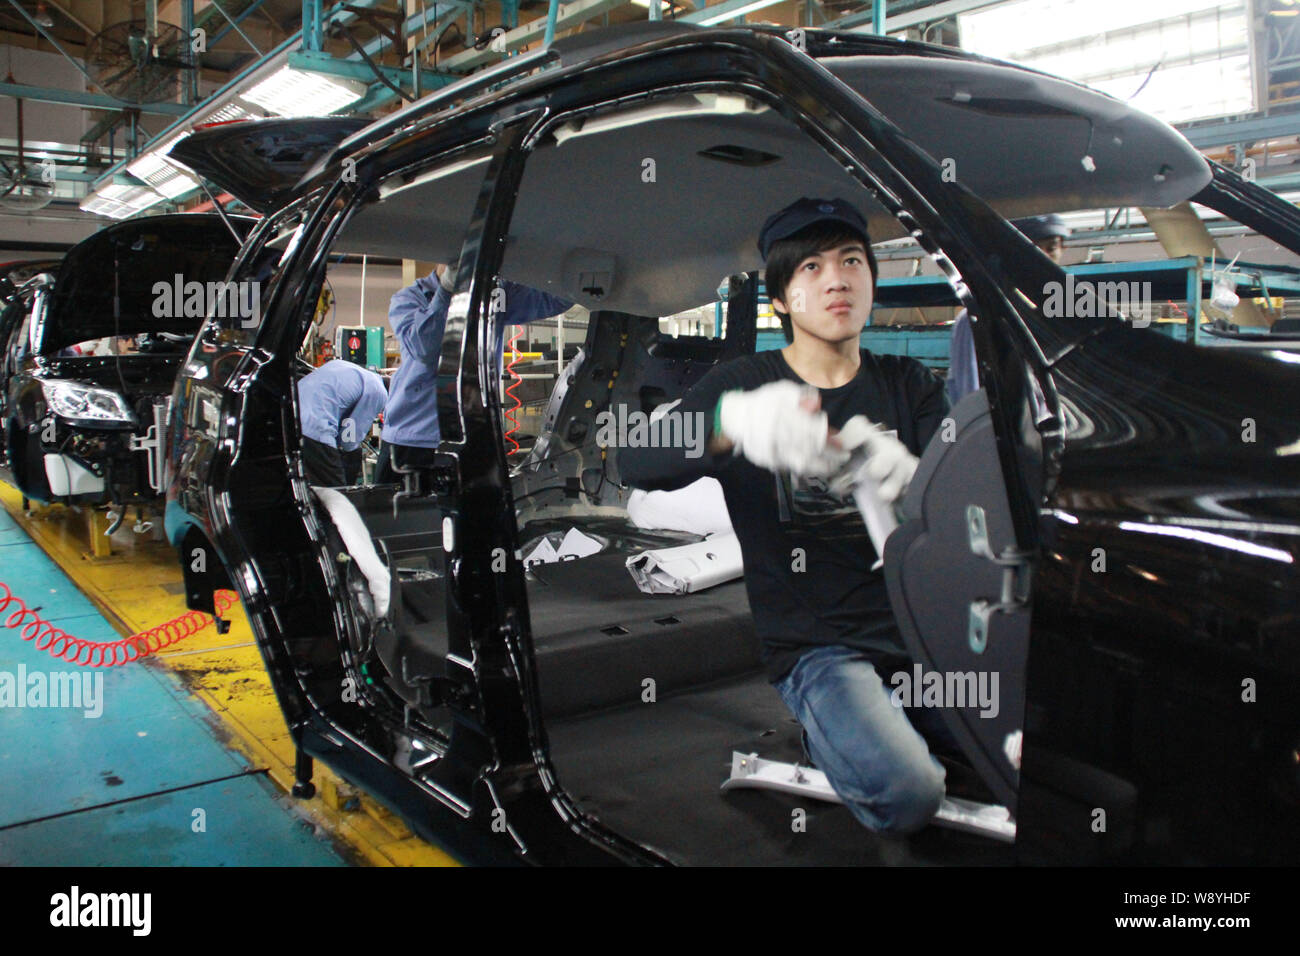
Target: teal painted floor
[(145, 783)]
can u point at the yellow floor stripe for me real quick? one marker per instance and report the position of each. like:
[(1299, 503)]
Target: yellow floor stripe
[(140, 586)]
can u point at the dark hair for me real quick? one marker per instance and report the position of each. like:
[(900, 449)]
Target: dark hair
[(786, 254)]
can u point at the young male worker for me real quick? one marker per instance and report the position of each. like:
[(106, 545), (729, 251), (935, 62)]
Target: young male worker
[(823, 617)]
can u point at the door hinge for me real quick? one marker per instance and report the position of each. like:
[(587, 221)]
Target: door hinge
[(1017, 573)]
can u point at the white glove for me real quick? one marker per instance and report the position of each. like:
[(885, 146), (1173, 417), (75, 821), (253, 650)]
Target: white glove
[(877, 456), (445, 278), (768, 426)]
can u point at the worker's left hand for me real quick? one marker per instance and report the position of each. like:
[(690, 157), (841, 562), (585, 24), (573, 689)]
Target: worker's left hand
[(445, 278), (877, 455)]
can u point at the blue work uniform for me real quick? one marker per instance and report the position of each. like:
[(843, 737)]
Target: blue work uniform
[(339, 402), (418, 315)]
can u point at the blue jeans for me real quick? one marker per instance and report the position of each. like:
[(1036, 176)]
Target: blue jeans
[(874, 758)]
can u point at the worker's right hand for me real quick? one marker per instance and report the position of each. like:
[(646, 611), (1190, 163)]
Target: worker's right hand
[(780, 426)]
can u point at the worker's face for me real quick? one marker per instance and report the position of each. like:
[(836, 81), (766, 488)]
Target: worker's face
[(1053, 246), (829, 298)]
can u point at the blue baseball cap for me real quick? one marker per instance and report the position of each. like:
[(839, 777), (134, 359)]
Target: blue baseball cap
[(1037, 228), (804, 212)]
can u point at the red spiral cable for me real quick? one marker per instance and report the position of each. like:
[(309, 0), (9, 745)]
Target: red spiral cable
[(63, 646), (510, 390)]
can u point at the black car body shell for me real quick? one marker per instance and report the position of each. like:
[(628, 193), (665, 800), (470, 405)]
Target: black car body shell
[(1140, 469), (108, 285), (14, 310)]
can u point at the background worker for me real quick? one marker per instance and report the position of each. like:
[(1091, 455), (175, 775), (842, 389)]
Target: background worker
[(418, 315), (1048, 234), (338, 403)]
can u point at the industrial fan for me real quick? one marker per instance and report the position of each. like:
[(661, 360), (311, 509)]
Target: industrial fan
[(130, 64), (24, 186)]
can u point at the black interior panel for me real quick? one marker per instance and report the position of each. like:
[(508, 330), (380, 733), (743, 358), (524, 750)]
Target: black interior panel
[(652, 769), (652, 772)]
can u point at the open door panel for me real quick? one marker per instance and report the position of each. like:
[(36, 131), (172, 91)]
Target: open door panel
[(959, 585)]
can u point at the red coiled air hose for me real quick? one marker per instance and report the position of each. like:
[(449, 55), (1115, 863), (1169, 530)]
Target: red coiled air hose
[(510, 390), (74, 650)]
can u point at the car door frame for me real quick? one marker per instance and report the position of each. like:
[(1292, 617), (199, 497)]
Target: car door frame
[(832, 114)]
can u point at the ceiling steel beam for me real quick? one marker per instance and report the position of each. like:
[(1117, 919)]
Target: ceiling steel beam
[(239, 17), (1243, 131), (53, 42), (922, 14), (234, 23), (570, 14), (71, 16), (95, 101), (432, 16), (357, 70)]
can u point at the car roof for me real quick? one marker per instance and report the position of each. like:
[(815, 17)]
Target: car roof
[(980, 112), (1026, 142)]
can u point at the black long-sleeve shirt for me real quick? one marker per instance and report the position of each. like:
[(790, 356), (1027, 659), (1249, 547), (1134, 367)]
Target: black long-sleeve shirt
[(807, 552)]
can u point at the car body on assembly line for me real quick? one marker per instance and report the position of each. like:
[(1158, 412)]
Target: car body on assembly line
[(503, 711), (91, 349), (14, 322)]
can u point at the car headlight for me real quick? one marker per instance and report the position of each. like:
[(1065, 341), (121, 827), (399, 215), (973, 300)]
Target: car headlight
[(85, 403)]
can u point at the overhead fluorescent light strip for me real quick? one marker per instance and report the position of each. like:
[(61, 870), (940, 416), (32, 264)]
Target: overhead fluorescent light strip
[(118, 200), (227, 113), (1194, 91), (162, 175), (150, 167), (1025, 25), (291, 92), (178, 185)]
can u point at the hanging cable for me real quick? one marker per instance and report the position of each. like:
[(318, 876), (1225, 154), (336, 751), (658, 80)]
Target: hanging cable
[(338, 29), (15, 614)]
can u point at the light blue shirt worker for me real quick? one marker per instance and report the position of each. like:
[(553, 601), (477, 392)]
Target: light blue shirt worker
[(418, 315), (1046, 232), (963, 376), (339, 402)]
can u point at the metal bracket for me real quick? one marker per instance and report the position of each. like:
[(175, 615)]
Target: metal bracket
[(1016, 580), (422, 481), (151, 443)]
